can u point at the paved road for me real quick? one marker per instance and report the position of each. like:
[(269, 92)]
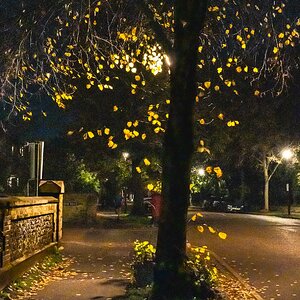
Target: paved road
[(264, 250)]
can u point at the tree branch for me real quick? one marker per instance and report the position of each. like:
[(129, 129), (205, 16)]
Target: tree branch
[(157, 29)]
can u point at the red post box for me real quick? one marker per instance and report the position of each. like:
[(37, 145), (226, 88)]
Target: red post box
[(156, 200)]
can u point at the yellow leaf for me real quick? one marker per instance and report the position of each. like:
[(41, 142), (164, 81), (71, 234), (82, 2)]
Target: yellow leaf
[(199, 215), (246, 69), (228, 82), (221, 116), (88, 86), (136, 123), (150, 186), (208, 169), (207, 84), (202, 121), (238, 69), (122, 36), (219, 70), (239, 38), (256, 93), (211, 229), (275, 50), (115, 108), (200, 228), (110, 144), (201, 142), (222, 235), (70, 132), (100, 87), (138, 169), (218, 172), (146, 162), (217, 88), (144, 136), (137, 77), (168, 101), (255, 70), (129, 124), (106, 131), (194, 217), (281, 35), (133, 31), (90, 134)]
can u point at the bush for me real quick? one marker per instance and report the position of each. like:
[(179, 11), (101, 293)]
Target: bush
[(197, 266)]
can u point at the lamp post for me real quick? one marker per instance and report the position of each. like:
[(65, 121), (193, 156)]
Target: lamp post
[(287, 155)]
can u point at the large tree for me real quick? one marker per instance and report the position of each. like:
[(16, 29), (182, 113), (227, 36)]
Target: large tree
[(91, 45)]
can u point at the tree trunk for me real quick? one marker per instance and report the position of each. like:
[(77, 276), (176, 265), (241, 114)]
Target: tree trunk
[(266, 184), (171, 281), (266, 195)]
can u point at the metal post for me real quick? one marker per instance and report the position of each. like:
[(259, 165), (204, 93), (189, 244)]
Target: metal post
[(36, 151), (289, 198)]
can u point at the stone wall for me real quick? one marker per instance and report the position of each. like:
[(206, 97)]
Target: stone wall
[(28, 225), (31, 234), (79, 208)]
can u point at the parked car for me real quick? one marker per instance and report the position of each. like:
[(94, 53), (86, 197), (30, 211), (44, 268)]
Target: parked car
[(214, 205), (232, 208)]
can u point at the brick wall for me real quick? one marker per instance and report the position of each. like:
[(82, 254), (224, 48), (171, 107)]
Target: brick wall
[(28, 225)]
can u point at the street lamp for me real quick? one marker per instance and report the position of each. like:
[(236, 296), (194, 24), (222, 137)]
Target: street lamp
[(287, 155), (201, 172), (125, 155)]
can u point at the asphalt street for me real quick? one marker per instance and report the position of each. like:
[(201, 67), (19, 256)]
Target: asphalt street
[(264, 250)]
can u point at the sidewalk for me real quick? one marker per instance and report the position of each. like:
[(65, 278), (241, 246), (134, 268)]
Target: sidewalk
[(102, 262)]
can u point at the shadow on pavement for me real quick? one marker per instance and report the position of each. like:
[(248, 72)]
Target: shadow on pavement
[(116, 283)]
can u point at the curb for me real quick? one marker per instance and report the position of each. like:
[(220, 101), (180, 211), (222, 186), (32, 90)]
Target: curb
[(236, 275)]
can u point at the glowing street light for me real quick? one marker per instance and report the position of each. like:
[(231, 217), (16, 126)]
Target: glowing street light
[(287, 154), (201, 172), (125, 155)]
